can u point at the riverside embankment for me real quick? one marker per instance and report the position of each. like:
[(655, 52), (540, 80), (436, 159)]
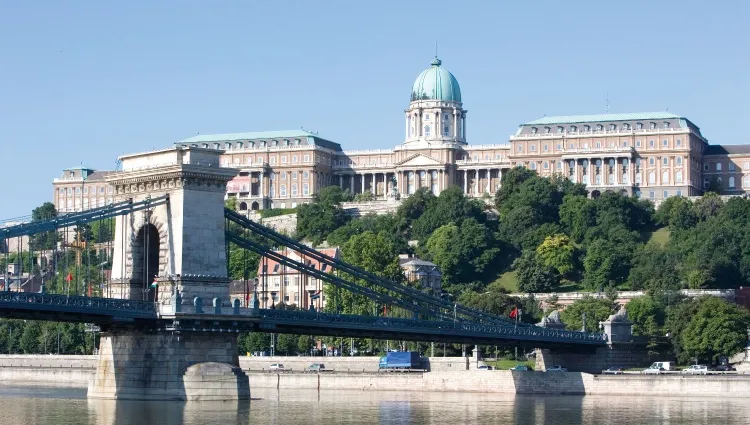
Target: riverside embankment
[(357, 373)]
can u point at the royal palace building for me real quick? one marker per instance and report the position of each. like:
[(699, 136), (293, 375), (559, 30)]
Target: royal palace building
[(651, 155)]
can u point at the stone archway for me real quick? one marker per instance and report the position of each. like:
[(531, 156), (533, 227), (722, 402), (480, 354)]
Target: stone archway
[(595, 194), (255, 206), (243, 206), (146, 253)]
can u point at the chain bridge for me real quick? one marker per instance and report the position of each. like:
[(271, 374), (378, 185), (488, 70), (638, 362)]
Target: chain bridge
[(168, 325)]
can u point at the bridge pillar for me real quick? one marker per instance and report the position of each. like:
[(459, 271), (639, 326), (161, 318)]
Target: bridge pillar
[(175, 256), (136, 365)]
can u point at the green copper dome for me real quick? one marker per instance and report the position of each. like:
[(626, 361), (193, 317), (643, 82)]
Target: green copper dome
[(436, 83)]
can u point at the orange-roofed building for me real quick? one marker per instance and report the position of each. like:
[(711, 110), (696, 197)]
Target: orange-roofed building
[(288, 286)]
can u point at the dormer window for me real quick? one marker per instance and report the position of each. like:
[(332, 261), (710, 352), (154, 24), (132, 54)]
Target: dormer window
[(534, 130), (228, 146), (239, 145), (666, 124), (205, 146), (573, 129), (296, 142), (586, 128), (263, 144), (653, 125), (252, 144), (626, 126), (639, 126), (547, 130), (600, 127), (613, 127), (217, 146), (559, 129)]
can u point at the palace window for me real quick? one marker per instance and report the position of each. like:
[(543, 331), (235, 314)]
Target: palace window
[(546, 165), (273, 160), (746, 181), (652, 125), (665, 177), (283, 175), (705, 167), (283, 159), (665, 194), (427, 130), (305, 175), (586, 128), (547, 130), (306, 189), (651, 178), (307, 158), (651, 194), (678, 142), (532, 148), (259, 160), (534, 130), (598, 179), (651, 161), (665, 143), (546, 148), (625, 162), (730, 166), (625, 178), (679, 160), (625, 144), (638, 143), (666, 124), (559, 146), (573, 129), (678, 177), (611, 162), (559, 165), (560, 129), (706, 183), (613, 127), (678, 193), (426, 117), (572, 145), (639, 126), (746, 165), (294, 189), (294, 175), (651, 143), (719, 181), (718, 166), (296, 142), (533, 165), (446, 131), (611, 179), (598, 163), (730, 182), (665, 161), (294, 159), (599, 127), (282, 190)]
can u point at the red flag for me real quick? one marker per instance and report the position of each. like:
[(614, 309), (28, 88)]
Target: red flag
[(385, 310), (89, 291), (69, 277), (513, 313)]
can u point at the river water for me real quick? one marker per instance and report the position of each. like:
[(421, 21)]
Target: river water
[(36, 406)]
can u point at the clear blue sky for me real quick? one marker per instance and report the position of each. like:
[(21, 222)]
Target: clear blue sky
[(86, 81)]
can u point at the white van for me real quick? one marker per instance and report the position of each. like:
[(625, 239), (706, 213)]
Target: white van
[(668, 366)]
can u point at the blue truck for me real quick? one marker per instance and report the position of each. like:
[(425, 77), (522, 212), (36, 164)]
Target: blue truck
[(401, 360)]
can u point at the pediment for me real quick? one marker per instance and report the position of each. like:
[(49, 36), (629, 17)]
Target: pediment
[(419, 160)]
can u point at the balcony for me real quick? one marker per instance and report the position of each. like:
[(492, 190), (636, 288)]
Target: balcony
[(480, 161), (597, 151), (603, 133)]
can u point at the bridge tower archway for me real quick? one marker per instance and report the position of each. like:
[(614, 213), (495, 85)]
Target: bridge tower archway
[(145, 253)]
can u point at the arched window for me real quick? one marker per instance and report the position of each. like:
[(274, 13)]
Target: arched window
[(651, 177), (427, 131), (665, 177), (678, 177), (598, 179), (533, 165), (730, 182), (571, 164), (306, 189), (294, 189), (718, 166), (719, 181), (679, 160), (282, 190)]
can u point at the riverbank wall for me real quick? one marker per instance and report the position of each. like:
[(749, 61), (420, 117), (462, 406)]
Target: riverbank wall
[(75, 372)]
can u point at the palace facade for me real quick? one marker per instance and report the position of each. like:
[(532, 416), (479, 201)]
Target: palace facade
[(652, 155)]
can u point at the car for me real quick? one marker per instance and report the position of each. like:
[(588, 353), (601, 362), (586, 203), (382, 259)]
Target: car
[(276, 367), (696, 369), (557, 368), (653, 371), (612, 370), (316, 367), (484, 367), (520, 368)]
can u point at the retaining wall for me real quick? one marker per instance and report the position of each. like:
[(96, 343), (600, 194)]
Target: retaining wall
[(345, 364)]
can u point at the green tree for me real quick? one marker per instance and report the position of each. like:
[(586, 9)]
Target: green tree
[(415, 205), (286, 344), (366, 196), (607, 263), (493, 302), (451, 206), (557, 252), (315, 221), (533, 275), (596, 309), (647, 314), (654, 268), (717, 329), (43, 240)]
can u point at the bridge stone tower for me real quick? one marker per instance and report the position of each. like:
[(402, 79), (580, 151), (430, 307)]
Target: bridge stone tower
[(179, 245)]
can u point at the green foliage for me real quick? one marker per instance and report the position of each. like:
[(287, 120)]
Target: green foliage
[(43, 240), (647, 314), (450, 207), (463, 252), (35, 337), (275, 212), (596, 309), (607, 263), (716, 329), (366, 196), (315, 221), (533, 275), (654, 269), (415, 205), (557, 252), (391, 225)]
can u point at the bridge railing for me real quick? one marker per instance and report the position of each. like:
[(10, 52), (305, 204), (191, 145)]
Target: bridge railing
[(532, 332), (93, 303)]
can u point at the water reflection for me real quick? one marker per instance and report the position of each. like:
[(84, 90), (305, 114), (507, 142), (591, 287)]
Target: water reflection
[(36, 406)]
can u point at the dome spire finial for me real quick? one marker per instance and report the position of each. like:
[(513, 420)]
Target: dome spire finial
[(436, 61)]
